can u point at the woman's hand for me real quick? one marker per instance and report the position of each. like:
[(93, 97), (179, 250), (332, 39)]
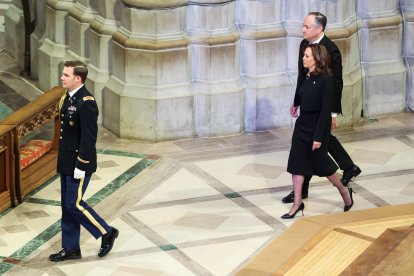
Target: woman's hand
[(294, 111), (316, 145), (333, 124)]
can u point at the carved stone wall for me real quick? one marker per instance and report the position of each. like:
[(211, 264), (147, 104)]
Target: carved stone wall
[(407, 10), (384, 72), (36, 39), (174, 69), (149, 93), (215, 69), (14, 24), (55, 44), (99, 35)]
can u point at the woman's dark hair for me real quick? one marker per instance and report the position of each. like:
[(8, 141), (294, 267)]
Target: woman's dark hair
[(79, 68), (322, 59)]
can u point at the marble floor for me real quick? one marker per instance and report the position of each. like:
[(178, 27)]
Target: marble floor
[(198, 206)]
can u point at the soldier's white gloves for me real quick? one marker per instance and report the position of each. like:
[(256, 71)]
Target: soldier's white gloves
[(78, 174)]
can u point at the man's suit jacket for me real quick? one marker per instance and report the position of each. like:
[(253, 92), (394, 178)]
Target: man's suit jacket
[(79, 129), (336, 66)]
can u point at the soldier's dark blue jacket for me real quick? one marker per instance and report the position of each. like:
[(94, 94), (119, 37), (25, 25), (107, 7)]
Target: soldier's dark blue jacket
[(79, 129)]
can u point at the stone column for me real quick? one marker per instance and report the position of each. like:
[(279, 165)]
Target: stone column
[(384, 74), (14, 36), (99, 35), (37, 37), (149, 95), (80, 17), (53, 49), (407, 9), (215, 68), (266, 75), (343, 30)]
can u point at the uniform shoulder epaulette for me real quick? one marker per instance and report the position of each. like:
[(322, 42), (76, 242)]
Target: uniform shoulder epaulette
[(88, 98)]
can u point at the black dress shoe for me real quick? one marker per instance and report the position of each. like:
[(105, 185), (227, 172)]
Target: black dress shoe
[(348, 174), (291, 196), (66, 254), (108, 242)]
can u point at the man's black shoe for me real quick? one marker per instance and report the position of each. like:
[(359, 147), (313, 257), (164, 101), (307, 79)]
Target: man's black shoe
[(108, 242), (291, 197), (348, 174), (66, 254)]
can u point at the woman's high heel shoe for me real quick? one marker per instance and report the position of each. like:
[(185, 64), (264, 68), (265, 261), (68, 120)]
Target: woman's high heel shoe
[(348, 207), (287, 216)]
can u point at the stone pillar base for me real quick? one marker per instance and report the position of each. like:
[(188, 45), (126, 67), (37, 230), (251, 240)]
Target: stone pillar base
[(95, 83), (267, 102), (219, 108), (149, 113), (385, 88), (35, 43), (352, 95), (14, 24)]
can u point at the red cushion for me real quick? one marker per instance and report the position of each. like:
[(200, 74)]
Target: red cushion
[(33, 150)]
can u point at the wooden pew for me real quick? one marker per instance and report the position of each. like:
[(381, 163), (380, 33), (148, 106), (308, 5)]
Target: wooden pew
[(7, 198), (33, 116)]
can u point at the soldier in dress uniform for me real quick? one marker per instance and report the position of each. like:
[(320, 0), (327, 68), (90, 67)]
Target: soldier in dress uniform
[(76, 163)]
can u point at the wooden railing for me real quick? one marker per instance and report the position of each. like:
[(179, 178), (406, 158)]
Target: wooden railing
[(22, 126), (6, 167)]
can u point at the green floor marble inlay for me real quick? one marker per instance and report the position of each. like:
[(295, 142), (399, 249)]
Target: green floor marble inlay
[(43, 201), (121, 153), (232, 195), (4, 267), (167, 247), (35, 243), (119, 182), (5, 212)]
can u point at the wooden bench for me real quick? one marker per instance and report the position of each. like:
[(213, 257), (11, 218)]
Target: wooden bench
[(30, 174), (7, 198)]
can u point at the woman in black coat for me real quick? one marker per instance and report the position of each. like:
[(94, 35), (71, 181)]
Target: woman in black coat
[(309, 150)]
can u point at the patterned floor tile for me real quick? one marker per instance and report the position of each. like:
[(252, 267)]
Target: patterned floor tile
[(192, 215), (223, 258), (232, 171), (261, 170), (129, 240), (200, 220), (393, 189), (181, 185), (164, 221), (99, 180), (158, 263), (17, 233)]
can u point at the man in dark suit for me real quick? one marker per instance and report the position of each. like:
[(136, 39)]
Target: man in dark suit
[(76, 163), (313, 32)]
